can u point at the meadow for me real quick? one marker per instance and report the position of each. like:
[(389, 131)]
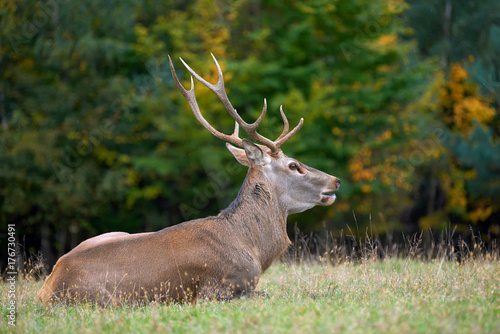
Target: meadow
[(372, 295)]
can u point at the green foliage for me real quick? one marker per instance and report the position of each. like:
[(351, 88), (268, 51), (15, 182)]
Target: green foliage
[(462, 175), (470, 30), (482, 154)]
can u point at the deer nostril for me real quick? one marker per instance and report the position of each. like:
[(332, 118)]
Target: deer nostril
[(337, 182)]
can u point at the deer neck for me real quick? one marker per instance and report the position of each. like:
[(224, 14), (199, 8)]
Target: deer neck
[(258, 219)]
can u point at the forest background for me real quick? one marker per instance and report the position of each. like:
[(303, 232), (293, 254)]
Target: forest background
[(400, 99)]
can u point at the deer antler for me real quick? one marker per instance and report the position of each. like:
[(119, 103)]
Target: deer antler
[(250, 129)]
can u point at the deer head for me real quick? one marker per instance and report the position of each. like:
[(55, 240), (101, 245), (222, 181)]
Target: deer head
[(297, 186)]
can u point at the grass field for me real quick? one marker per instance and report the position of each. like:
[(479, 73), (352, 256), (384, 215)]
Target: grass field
[(392, 296)]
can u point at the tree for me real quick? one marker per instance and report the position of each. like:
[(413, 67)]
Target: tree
[(466, 110)]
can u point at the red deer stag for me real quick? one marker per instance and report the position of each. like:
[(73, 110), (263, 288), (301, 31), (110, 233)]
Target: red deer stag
[(220, 257)]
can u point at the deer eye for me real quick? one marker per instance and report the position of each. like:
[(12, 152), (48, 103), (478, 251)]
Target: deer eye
[(293, 166)]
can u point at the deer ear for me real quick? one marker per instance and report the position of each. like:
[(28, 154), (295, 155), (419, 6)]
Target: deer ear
[(238, 154), (254, 154)]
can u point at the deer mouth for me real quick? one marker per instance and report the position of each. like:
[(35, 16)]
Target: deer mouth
[(327, 198)]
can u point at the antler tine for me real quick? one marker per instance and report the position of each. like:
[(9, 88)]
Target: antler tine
[(218, 89), (236, 129), (256, 124), (283, 139), (191, 98), (285, 123), (285, 135), (251, 130)]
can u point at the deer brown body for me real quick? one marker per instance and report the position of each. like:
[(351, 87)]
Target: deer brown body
[(218, 257)]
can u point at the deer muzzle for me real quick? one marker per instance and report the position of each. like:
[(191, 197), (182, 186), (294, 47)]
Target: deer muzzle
[(328, 196)]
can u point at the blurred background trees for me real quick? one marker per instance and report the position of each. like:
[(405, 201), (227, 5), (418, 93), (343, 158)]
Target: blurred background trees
[(400, 100)]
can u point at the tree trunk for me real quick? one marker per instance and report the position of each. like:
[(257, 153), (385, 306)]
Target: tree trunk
[(447, 33), (3, 115), (45, 247), (73, 231), (62, 242), (431, 204)]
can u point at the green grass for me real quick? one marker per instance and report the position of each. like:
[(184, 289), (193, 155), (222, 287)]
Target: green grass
[(395, 296)]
